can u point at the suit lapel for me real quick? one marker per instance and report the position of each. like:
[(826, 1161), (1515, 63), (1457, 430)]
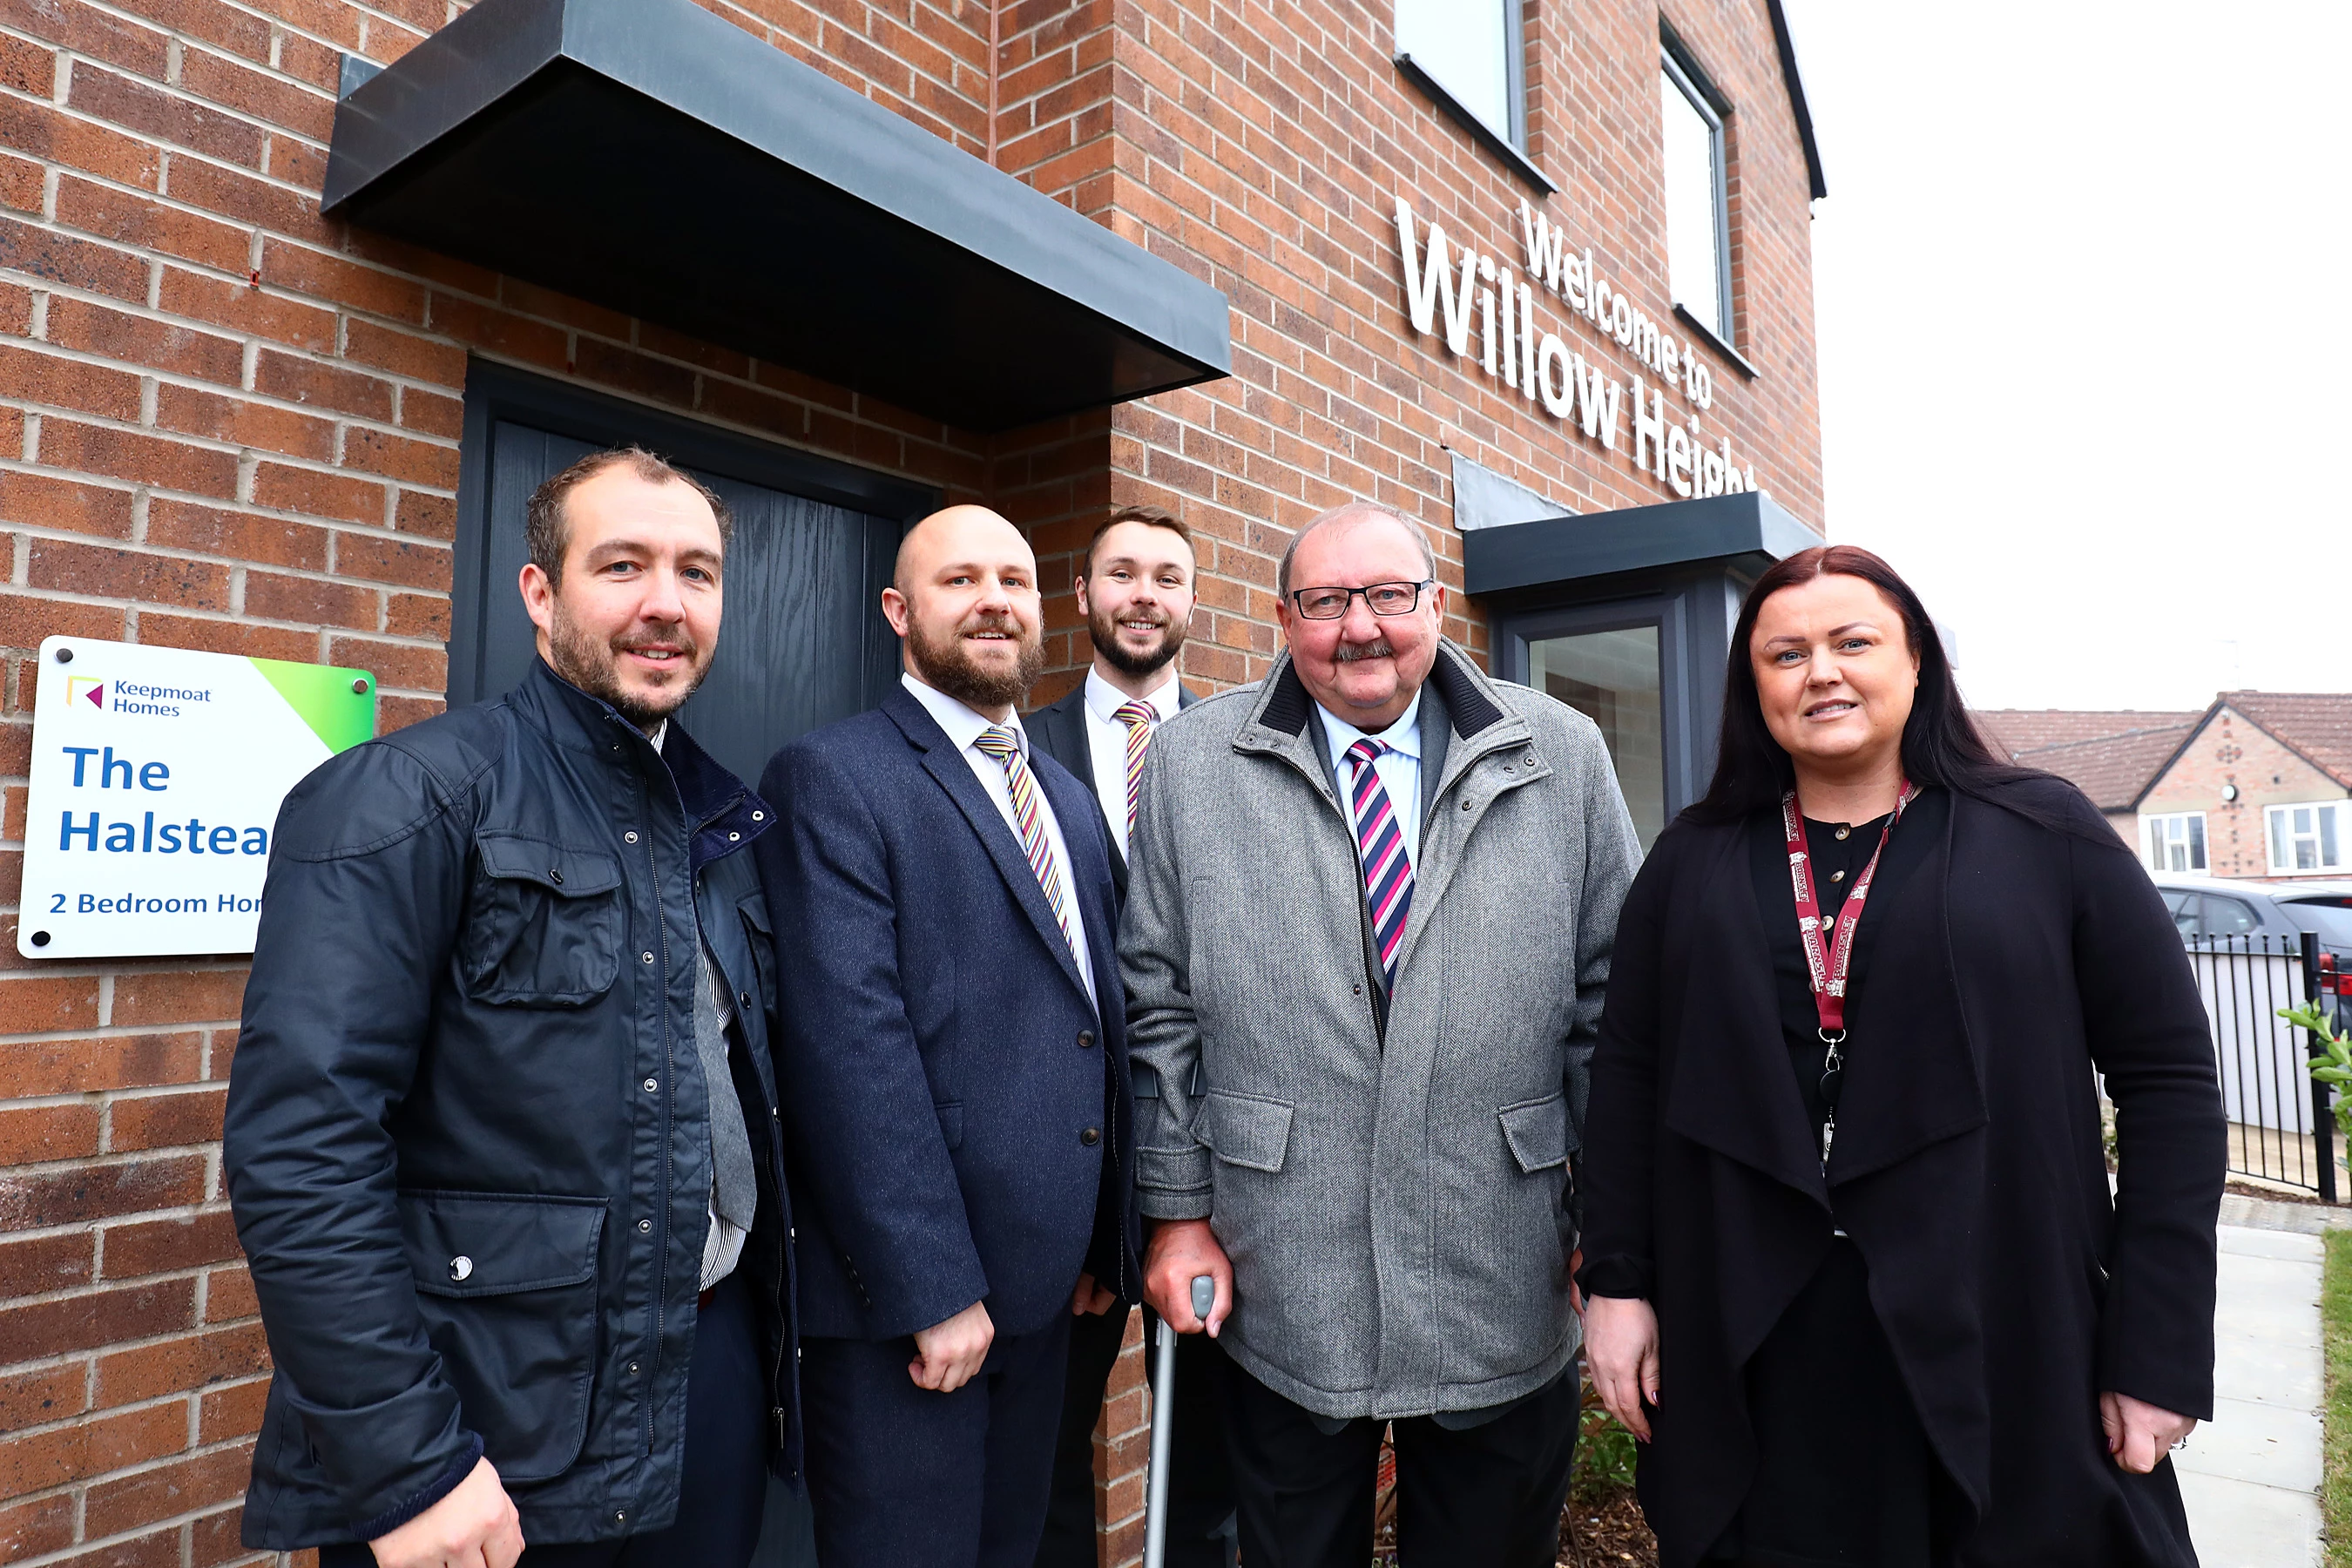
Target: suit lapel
[(947, 765)]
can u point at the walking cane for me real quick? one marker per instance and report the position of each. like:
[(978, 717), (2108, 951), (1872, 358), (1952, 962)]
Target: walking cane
[(1164, 1424)]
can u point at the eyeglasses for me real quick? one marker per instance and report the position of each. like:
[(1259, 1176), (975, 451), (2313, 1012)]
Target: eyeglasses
[(1381, 598)]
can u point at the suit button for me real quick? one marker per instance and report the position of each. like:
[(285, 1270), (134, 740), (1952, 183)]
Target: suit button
[(1090, 1136), (1086, 1038)]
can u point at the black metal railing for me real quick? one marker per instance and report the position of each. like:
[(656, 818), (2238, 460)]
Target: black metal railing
[(2281, 1127)]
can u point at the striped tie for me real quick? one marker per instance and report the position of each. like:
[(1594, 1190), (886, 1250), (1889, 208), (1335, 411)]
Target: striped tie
[(1001, 742), (1138, 718), (1379, 843)]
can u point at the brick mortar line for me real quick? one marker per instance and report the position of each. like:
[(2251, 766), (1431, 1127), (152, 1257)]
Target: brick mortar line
[(105, 1160), (135, 1532), (176, 552), (237, 394), (187, 41), (275, 23), (55, 1036), (58, 1361), (67, 111), (217, 445)]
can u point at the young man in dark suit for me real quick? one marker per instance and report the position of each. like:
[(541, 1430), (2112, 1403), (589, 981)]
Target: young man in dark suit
[(953, 1062), (1136, 590)]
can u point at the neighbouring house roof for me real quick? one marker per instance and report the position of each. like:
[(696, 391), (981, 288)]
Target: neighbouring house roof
[(2111, 755), (2019, 730), (2316, 724)]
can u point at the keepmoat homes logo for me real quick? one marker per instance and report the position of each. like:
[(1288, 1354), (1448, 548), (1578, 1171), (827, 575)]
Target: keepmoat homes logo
[(1448, 287), (84, 693)]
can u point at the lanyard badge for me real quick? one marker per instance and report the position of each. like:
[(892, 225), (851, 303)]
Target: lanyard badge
[(1829, 954)]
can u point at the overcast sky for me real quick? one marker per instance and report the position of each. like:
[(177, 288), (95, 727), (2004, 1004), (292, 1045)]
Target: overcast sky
[(2081, 285)]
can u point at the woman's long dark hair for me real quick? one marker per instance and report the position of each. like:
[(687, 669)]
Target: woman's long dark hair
[(1941, 744)]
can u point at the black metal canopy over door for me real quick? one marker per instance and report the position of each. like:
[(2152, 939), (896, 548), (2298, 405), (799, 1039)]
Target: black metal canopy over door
[(803, 641)]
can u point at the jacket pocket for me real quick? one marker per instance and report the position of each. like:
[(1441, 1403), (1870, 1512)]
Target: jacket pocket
[(1537, 1132), (1245, 1130), (545, 925), (506, 1286)]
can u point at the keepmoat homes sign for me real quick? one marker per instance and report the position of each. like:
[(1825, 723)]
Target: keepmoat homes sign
[(1449, 288)]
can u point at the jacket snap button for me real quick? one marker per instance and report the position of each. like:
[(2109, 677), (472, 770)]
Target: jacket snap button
[(620, 1515), (733, 836), (1356, 990), (647, 956), (460, 1267), (1529, 758), (652, 1084), (630, 837), (1090, 1136), (744, 997), (1086, 1038), (633, 1369), (1466, 804), (644, 1225), (759, 817)]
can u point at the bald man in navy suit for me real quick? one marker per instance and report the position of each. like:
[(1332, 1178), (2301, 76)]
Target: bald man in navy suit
[(953, 1067)]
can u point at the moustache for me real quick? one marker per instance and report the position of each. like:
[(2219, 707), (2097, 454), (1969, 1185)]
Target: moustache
[(1350, 653), (991, 621), (667, 642)]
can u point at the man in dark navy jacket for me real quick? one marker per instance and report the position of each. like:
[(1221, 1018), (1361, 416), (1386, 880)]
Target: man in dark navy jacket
[(1135, 589), (501, 1129), (952, 1061)]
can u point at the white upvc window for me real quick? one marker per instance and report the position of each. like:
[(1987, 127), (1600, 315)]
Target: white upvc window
[(2174, 842), (1698, 199), (1468, 48), (2316, 836)]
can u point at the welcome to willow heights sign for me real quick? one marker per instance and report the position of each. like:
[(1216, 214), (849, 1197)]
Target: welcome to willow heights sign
[(156, 779), (1453, 286)]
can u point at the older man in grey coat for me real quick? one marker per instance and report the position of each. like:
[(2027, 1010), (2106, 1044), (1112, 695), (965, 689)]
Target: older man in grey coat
[(1372, 901)]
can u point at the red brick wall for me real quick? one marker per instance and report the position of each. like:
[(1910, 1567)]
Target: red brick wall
[(228, 424)]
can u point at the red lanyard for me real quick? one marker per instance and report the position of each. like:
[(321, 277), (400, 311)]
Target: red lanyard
[(1829, 960)]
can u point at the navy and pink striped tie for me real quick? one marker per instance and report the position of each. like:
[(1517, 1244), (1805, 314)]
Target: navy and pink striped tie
[(1380, 845)]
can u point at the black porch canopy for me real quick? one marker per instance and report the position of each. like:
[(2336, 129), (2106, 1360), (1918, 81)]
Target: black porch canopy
[(650, 157)]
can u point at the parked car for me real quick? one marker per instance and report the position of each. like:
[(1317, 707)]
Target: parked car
[(2210, 906)]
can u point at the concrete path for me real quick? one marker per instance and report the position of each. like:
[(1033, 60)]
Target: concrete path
[(2251, 1476)]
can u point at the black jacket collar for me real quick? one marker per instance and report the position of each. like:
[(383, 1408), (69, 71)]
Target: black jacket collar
[(721, 811)]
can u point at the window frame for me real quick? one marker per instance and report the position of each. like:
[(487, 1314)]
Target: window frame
[(1675, 64), (1509, 142), (2153, 833), (2340, 811)]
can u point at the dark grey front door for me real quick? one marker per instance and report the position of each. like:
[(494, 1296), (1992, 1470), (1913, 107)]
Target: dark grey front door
[(803, 642)]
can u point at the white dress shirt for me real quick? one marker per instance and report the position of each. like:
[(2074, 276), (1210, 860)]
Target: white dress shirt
[(1107, 742), (1399, 767), (963, 727)]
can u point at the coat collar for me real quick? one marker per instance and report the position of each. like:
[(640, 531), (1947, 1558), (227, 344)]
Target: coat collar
[(1476, 722), (947, 766), (723, 815)]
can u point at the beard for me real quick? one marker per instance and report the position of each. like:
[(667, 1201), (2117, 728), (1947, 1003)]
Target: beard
[(1104, 628), (593, 665), (946, 665)]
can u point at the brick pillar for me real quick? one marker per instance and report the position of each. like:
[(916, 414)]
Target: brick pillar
[(1122, 1450)]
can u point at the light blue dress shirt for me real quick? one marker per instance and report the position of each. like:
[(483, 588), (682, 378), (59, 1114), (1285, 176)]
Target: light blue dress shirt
[(1399, 767)]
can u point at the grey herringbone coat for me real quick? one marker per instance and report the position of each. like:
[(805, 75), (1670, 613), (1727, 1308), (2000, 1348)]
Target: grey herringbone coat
[(1391, 1178)]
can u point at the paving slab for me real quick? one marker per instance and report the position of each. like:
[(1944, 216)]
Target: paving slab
[(2250, 1477), (2239, 1524)]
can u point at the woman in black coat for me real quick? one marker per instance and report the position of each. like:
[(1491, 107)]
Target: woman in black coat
[(1851, 1267)]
